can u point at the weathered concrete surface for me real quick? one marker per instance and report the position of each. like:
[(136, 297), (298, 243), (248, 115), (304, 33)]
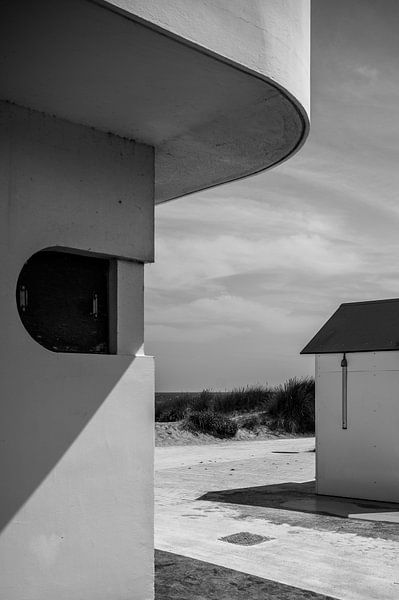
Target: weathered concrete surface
[(346, 558)]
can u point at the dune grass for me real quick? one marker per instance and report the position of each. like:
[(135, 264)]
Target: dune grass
[(293, 406), (288, 407), (210, 422), (174, 406)]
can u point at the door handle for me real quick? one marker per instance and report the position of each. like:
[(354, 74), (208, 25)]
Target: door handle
[(344, 366), (95, 306), (23, 298)]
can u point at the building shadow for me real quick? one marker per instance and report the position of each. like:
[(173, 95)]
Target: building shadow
[(302, 497), (51, 411), (180, 577)]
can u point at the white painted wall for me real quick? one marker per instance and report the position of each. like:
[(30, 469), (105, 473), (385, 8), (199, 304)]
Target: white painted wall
[(361, 461), (76, 431)]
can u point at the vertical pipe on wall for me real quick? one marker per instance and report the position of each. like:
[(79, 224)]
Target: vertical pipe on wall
[(344, 365)]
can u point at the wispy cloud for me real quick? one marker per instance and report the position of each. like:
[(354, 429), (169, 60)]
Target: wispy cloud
[(368, 73)]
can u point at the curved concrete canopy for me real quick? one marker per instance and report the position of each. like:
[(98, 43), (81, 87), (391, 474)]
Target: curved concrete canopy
[(210, 121), (269, 37)]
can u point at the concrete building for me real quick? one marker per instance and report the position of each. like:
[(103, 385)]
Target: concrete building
[(107, 108), (357, 406)]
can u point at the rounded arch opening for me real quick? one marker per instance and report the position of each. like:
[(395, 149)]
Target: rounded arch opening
[(63, 300)]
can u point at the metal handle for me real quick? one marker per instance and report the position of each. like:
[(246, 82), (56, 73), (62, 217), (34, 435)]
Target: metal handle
[(23, 298), (344, 365), (95, 306)]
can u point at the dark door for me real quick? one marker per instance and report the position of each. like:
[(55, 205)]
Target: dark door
[(63, 301)]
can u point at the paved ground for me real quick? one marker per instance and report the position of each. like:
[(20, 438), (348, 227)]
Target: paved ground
[(181, 578), (338, 548)]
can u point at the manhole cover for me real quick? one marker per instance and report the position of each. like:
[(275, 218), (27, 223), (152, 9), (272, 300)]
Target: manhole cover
[(244, 538)]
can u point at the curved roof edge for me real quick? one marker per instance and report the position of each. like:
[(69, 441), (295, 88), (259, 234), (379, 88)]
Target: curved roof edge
[(212, 116), (171, 21), (269, 38)]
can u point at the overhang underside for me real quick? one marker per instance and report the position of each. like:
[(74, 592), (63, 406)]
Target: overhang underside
[(210, 121)]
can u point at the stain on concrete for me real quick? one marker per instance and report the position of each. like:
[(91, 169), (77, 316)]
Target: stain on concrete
[(245, 538)]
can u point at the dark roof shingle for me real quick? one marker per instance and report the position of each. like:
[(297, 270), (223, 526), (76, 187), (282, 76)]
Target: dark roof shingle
[(359, 327)]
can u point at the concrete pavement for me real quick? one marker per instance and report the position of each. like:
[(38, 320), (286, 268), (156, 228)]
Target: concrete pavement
[(204, 493)]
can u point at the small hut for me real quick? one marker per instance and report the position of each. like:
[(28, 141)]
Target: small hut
[(357, 401)]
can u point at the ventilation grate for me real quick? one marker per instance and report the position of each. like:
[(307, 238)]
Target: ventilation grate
[(245, 538)]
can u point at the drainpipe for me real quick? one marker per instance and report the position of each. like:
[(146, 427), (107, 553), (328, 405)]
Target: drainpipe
[(344, 365)]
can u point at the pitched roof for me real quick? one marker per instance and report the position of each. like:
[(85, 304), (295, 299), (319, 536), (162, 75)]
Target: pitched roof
[(359, 327)]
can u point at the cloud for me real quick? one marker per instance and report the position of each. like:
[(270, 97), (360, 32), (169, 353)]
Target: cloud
[(366, 72), (247, 272), (186, 262), (202, 335), (230, 315)]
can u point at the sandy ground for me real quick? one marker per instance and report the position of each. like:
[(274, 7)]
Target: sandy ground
[(326, 546), (172, 434)]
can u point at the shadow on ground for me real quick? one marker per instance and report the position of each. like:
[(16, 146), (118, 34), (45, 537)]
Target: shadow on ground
[(301, 497), (182, 578)]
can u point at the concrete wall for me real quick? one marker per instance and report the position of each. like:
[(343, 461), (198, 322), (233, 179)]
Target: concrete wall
[(76, 430), (361, 461), (220, 88)]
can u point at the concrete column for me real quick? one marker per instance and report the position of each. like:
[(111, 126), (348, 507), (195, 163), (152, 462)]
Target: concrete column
[(76, 430), (130, 307)]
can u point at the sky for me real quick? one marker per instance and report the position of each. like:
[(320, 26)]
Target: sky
[(246, 273)]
